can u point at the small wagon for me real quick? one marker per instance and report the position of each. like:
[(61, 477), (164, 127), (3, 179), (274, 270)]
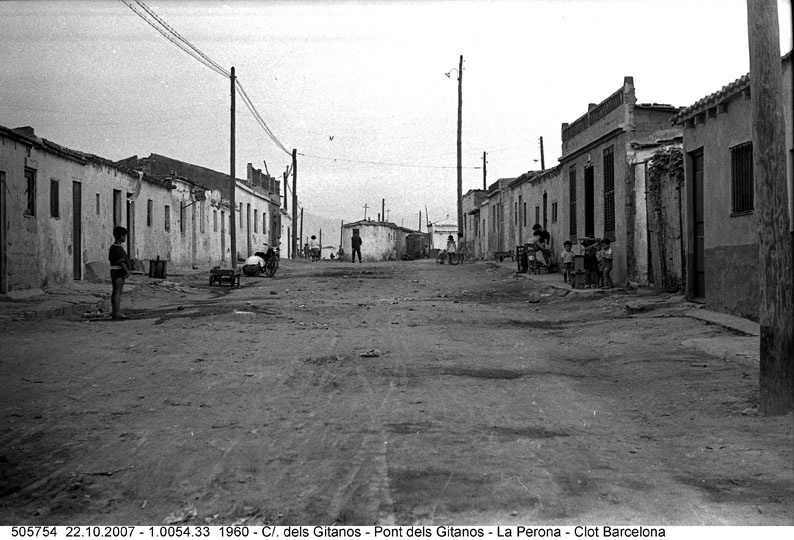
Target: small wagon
[(220, 275)]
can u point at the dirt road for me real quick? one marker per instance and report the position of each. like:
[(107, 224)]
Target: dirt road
[(482, 397)]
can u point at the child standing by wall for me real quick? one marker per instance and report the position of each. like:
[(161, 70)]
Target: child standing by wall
[(606, 263), (567, 261), (119, 270), (591, 265)]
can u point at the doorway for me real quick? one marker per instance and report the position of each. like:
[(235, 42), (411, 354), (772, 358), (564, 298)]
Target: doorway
[(131, 232), (77, 231), (699, 229), (3, 286), (589, 202)]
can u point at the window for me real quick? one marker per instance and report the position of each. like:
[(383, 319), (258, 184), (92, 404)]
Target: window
[(30, 192), (537, 214), (116, 207), (149, 212), (515, 211), (182, 216), (572, 191), (554, 212), (264, 222), (525, 214), (241, 215), (742, 179), (202, 217), (609, 193), (167, 222), (97, 204), (55, 210), (215, 221), (256, 219)]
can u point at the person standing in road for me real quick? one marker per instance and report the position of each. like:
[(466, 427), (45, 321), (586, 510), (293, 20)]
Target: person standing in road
[(119, 270), (356, 243), (314, 248), (451, 250)]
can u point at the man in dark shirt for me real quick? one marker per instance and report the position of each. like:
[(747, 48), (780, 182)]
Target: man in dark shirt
[(119, 270), (356, 243)]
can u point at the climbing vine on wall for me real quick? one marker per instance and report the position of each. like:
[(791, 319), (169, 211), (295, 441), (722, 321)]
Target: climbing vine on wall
[(669, 161), (664, 185)]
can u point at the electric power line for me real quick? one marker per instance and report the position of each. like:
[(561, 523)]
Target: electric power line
[(391, 164), (173, 32), (251, 107), (189, 49)]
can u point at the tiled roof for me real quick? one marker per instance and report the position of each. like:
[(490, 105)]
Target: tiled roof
[(737, 86)]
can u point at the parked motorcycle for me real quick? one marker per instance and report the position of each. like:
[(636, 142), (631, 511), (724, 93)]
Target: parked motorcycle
[(262, 262)]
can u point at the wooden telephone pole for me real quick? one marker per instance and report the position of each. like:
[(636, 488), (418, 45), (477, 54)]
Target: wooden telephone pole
[(776, 309), (294, 203), (460, 147), (484, 173), (232, 182)]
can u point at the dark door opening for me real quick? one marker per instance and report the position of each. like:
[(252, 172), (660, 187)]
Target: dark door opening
[(589, 202), (699, 229), (77, 231), (131, 230)]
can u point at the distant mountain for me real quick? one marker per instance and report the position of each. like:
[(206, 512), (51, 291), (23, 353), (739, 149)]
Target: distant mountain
[(312, 224)]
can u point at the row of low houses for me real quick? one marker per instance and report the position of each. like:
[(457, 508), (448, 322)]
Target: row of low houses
[(58, 207), (672, 188)]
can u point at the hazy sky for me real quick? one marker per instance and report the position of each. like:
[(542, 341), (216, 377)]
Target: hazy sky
[(95, 77)]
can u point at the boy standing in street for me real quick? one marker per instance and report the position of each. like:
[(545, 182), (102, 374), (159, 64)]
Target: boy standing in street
[(567, 261), (119, 270)]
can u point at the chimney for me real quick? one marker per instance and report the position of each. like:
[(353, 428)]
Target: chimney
[(27, 131)]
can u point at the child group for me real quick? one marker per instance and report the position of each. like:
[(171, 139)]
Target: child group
[(597, 263)]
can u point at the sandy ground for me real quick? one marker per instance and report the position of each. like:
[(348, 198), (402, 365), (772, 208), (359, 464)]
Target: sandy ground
[(390, 393)]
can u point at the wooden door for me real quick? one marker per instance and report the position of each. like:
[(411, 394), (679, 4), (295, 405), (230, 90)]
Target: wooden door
[(699, 229)]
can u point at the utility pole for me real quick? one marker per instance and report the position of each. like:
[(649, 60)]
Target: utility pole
[(420, 221), (484, 173), (232, 181), (294, 202), (776, 307), (542, 157), (365, 211), (301, 234), (460, 149), (321, 243), (383, 209)]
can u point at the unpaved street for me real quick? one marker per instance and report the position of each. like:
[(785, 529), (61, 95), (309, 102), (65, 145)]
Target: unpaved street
[(486, 398)]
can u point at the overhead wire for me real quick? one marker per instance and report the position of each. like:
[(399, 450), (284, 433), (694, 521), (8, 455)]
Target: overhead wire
[(165, 25), (167, 35), (391, 164), (185, 45)]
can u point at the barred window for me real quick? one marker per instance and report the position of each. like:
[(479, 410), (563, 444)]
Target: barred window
[(55, 203), (609, 192), (572, 215), (554, 212), (742, 179), (30, 192), (167, 218)]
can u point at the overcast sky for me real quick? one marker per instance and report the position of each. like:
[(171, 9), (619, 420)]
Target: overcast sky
[(95, 77)]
